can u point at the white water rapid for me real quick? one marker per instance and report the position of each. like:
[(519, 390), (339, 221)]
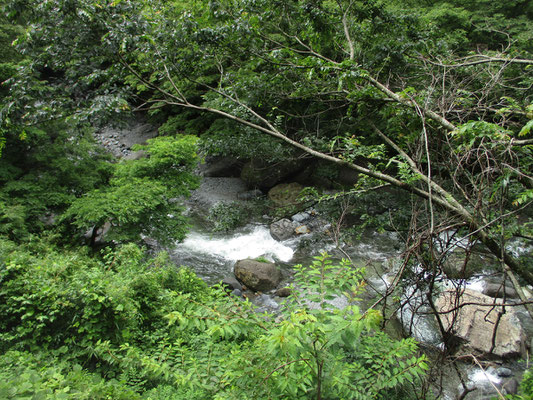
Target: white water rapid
[(212, 256)]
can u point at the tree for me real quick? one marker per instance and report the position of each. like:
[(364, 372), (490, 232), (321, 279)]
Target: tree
[(43, 172), (143, 197), (311, 75)]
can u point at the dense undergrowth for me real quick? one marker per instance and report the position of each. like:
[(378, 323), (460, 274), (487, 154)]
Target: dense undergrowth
[(123, 325)]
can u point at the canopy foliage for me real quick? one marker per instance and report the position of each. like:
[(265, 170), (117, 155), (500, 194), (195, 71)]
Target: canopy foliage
[(431, 97)]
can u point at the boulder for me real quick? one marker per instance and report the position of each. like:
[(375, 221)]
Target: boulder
[(257, 275), (264, 175), (301, 230), (301, 217), (492, 289), (457, 266), (474, 321), (285, 194), (283, 229), (231, 283), (284, 292), (504, 372)]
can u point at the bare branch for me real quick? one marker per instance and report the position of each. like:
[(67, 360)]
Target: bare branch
[(483, 60)]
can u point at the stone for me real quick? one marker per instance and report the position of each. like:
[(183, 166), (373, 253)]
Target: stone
[(283, 292), (264, 175), (504, 372), (285, 194), (257, 275), (300, 217), (496, 290), (301, 230), (474, 320), (231, 283), (283, 229), (454, 266)]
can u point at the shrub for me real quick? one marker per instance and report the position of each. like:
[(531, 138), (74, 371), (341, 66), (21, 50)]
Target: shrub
[(227, 216), (128, 326)]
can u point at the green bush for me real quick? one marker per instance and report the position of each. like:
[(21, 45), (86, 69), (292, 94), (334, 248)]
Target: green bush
[(227, 216), (124, 325)]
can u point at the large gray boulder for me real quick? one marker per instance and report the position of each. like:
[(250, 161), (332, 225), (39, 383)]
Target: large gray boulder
[(257, 275), (460, 265), (283, 229), (493, 289), (474, 318)]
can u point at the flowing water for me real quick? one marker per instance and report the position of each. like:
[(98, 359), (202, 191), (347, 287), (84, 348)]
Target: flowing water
[(213, 255)]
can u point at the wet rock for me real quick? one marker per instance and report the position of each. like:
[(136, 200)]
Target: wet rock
[(301, 230), (257, 275), (497, 290), (283, 229), (460, 265), (283, 292), (319, 225), (474, 320), (265, 303), (237, 293), (231, 283), (301, 217), (285, 194), (504, 372)]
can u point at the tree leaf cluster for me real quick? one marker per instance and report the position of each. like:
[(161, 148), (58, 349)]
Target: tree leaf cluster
[(128, 326)]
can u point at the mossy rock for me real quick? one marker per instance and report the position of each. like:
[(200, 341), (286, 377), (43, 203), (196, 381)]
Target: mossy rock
[(256, 275), (285, 194)]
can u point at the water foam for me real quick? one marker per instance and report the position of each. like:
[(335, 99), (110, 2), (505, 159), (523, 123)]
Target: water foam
[(252, 243)]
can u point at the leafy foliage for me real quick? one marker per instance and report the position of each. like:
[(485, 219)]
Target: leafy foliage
[(43, 174), (129, 327), (227, 216), (142, 198), (312, 74)]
